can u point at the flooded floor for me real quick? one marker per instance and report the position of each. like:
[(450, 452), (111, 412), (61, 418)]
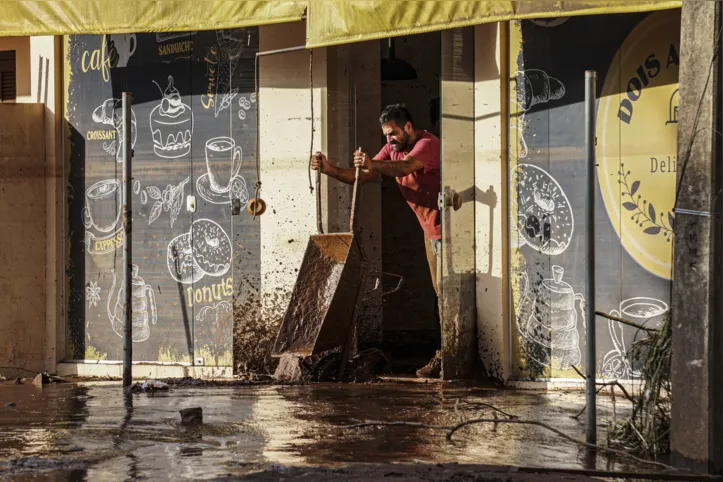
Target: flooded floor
[(71, 432)]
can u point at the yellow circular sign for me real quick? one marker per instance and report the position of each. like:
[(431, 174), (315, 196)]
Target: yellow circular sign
[(637, 140)]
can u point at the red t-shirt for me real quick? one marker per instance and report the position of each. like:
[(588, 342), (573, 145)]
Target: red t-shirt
[(420, 188)]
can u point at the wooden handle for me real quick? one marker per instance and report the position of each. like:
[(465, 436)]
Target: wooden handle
[(319, 226), (355, 196)]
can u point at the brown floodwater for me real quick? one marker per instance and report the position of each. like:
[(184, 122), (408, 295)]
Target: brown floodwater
[(72, 432)]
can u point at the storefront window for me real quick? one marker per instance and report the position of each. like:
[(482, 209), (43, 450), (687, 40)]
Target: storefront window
[(194, 141), (637, 66)]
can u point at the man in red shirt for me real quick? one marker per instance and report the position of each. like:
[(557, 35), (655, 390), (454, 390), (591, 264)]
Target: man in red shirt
[(412, 157)]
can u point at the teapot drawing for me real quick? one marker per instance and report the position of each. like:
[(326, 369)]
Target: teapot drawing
[(551, 335), (143, 299)]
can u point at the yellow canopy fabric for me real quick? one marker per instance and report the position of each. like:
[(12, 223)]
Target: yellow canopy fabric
[(332, 22), (69, 17)]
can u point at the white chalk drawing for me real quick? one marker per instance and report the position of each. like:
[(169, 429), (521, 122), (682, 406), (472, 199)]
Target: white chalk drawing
[(550, 335), (213, 327), (168, 200), (245, 105), (92, 294), (222, 181), (204, 250), (110, 113), (136, 187), (125, 46), (617, 363), (544, 214), (166, 36), (534, 87), (143, 303), (231, 44), (144, 197), (101, 215), (171, 124)]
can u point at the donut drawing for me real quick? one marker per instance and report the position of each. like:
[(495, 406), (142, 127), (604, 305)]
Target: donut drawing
[(211, 247), (544, 215), (204, 250)]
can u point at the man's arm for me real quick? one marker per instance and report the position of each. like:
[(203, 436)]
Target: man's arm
[(396, 168), (387, 168), (347, 176)]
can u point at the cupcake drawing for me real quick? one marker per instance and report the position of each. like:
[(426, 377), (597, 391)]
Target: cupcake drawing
[(171, 124)]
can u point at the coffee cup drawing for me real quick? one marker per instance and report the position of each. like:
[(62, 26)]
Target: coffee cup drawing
[(125, 46), (223, 160), (641, 310), (222, 181), (103, 205)]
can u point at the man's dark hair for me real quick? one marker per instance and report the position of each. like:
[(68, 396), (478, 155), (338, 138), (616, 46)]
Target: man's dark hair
[(397, 113)]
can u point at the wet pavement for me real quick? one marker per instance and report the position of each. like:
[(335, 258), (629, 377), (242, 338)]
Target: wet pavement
[(71, 432)]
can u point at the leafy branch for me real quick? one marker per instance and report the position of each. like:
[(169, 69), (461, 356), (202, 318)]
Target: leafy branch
[(171, 199), (644, 213)]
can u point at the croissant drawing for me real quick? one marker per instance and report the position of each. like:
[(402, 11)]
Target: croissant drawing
[(109, 113), (536, 87)]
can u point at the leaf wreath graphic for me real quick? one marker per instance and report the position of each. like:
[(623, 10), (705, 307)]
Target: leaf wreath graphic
[(644, 213)]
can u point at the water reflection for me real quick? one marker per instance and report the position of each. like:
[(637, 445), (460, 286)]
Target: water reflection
[(100, 433)]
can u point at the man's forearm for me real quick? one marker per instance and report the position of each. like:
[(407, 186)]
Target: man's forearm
[(395, 168), (340, 174), (347, 176)]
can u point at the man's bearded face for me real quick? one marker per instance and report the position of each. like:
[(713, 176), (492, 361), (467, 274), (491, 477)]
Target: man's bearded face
[(397, 136)]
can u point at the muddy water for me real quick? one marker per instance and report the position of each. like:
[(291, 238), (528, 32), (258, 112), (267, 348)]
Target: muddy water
[(68, 432)]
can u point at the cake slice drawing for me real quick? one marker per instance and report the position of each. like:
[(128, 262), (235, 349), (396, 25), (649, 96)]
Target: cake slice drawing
[(171, 124)]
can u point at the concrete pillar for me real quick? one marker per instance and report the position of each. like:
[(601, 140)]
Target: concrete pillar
[(285, 139), (349, 68), (696, 363), (458, 306), (285, 131), (491, 167)]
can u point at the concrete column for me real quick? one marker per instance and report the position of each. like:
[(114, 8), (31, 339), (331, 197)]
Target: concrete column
[(458, 306), (491, 167), (285, 139), (696, 363), (355, 67)]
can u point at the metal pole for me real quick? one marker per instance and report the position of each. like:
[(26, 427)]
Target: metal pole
[(128, 242), (590, 86)]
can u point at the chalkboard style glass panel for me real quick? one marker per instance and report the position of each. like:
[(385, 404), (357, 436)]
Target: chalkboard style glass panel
[(194, 139), (637, 66)]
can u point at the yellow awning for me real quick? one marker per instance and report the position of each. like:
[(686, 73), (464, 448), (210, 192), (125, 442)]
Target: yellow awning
[(332, 22), (66, 17)]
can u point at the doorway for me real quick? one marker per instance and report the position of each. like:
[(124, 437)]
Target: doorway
[(410, 74)]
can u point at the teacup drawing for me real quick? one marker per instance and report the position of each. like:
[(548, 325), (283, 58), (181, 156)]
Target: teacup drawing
[(103, 205), (641, 309), (223, 160), (125, 46)]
